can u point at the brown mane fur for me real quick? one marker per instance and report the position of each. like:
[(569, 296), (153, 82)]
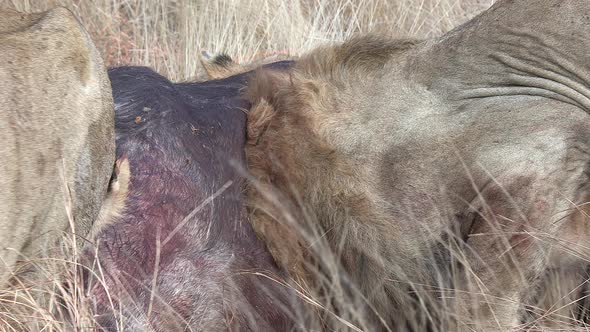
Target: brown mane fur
[(304, 191), (367, 54)]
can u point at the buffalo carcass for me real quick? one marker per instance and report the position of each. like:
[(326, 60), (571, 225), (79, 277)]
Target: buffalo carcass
[(183, 255)]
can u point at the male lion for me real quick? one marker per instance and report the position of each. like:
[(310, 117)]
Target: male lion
[(57, 133), (444, 177)]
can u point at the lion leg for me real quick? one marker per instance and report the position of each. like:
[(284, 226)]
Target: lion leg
[(562, 297), (507, 249)]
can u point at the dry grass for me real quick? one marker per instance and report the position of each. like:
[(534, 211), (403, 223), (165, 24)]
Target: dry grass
[(169, 35), (49, 299)]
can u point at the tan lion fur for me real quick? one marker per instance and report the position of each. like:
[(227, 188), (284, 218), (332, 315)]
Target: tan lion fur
[(114, 204), (404, 159), (57, 133), (300, 177)]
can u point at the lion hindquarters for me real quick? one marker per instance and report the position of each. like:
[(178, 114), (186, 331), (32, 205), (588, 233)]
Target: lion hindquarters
[(58, 127)]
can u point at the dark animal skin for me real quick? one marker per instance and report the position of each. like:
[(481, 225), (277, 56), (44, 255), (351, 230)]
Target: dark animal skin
[(183, 142)]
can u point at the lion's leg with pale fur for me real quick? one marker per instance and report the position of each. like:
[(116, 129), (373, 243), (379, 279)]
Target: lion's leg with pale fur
[(525, 217)]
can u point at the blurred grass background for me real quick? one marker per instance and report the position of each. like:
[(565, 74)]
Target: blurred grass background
[(169, 35)]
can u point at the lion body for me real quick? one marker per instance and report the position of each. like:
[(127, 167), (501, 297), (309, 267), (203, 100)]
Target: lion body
[(453, 170), (57, 133)]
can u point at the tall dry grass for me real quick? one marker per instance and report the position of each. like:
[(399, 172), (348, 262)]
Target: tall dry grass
[(169, 35)]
